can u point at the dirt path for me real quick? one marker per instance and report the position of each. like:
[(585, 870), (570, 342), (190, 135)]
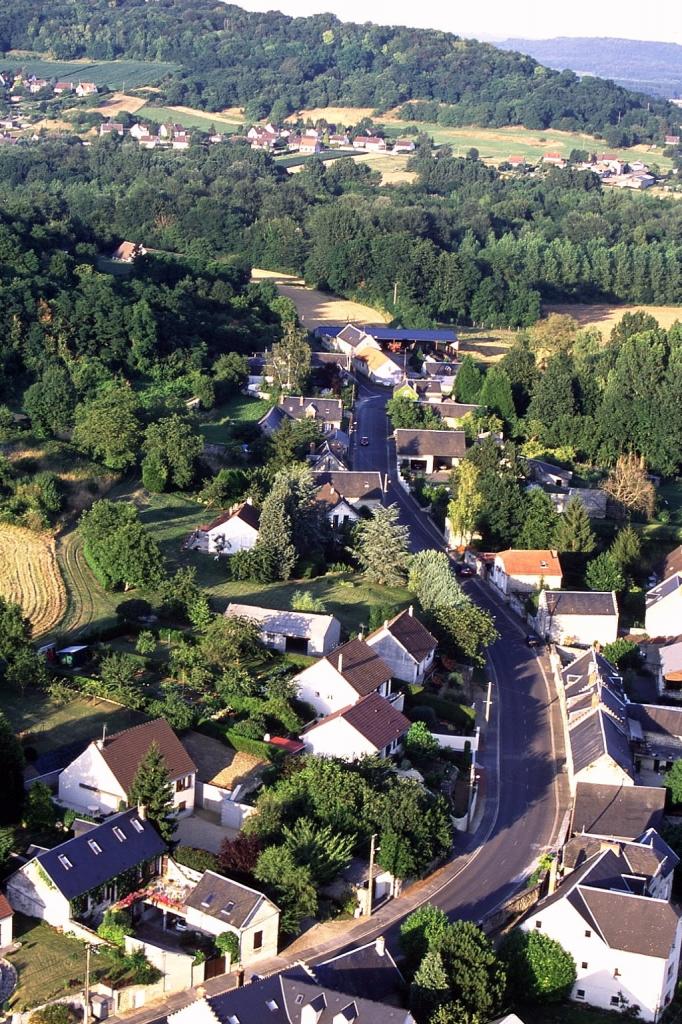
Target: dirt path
[(315, 307)]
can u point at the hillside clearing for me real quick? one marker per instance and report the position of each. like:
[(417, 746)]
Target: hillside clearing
[(334, 115), (605, 317), (393, 169), (30, 576), (188, 117), (118, 102), (315, 307)]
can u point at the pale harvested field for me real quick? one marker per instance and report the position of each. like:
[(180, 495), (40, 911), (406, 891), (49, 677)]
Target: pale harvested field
[(221, 118), (605, 317), (234, 113), (335, 115), (30, 576), (119, 102), (315, 307), (392, 168)]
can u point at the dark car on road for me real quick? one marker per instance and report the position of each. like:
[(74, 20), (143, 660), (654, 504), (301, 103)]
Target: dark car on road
[(364, 441), (465, 570), (534, 641)]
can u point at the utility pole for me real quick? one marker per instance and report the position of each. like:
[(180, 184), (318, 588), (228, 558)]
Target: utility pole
[(370, 877), (86, 988), (488, 702)]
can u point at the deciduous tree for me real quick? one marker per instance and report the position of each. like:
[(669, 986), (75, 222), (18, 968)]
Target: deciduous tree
[(628, 484), (464, 507), (108, 427), (539, 969)]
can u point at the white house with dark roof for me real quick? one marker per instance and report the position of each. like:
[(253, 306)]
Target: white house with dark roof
[(100, 779), (344, 494), (577, 616), (624, 940), (618, 812), (288, 631), (352, 671), (663, 615), (656, 736), (327, 412), (405, 645), (666, 662), (429, 451), (648, 858), (218, 904), (231, 531), (371, 726), (79, 876)]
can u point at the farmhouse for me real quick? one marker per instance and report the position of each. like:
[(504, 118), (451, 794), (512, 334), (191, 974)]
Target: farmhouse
[(404, 146), (371, 143), (234, 530), (519, 571), (349, 338), (625, 940), (429, 451), (428, 390), (379, 367), (547, 474), (372, 726), (110, 128), (86, 89), (345, 494), (100, 779), (582, 617), (286, 631), (349, 673), (406, 646), (218, 904), (62, 87), (80, 877), (663, 615)]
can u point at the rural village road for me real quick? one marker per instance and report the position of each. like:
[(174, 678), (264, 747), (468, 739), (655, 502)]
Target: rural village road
[(524, 791)]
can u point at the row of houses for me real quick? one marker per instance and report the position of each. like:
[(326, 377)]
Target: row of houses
[(313, 140), (610, 902), (11, 81)]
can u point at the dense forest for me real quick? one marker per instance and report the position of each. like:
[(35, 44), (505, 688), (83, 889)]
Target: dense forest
[(273, 65)]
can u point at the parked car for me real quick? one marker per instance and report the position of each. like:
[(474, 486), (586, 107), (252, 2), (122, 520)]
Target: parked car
[(364, 441), (465, 570), (534, 641)]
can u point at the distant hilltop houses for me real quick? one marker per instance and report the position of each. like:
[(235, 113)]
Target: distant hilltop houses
[(610, 168), (314, 140)]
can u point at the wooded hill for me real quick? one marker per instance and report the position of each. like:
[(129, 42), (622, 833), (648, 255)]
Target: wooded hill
[(273, 65)]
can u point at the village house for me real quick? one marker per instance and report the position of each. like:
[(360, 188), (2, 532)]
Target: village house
[(372, 726), (404, 146), (428, 390), (37, 84), (577, 616), (62, 87), (520, 571), (666, 662), (232, 531), (110, 128), (6, 916), (181, 140), (345, 495), (350, 338), (138, 131), (429, 451), (218, 904), (339, 139), (86, 89), (594, 499), (328, 412), (291, 632), (616, 812), (672, 140), (379, 367), (594, 711), (441, 370), (100, 779), (672, 563), (78, 878), (352, 671), (656, 737), (128, 252), (304, 144), (329, 456), (406, 646), (452, 413), (360, 986), (624, 940), (554, 160), (663, 603), (647, 854), (370, 143), (547, 474), (517, 162)]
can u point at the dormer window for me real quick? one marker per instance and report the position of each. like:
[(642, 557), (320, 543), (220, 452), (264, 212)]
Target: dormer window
[(65, 862), (95, 847), (137, 825), (120, 835)]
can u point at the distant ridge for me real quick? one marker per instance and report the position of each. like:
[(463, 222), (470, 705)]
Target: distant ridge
[(650, 67)]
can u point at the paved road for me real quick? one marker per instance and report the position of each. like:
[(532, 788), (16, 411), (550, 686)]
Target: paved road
[(526, 795)]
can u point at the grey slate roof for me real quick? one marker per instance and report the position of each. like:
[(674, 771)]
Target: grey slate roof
[(596, 735), (410, 633), (355, 486), (329, 410), (441, 443), (88, 868), (226, 900), (360, 666), (388, 333), (584, 602), (620, 811)]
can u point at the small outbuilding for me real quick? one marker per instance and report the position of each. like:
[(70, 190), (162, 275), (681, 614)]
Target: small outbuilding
[(292, 632)]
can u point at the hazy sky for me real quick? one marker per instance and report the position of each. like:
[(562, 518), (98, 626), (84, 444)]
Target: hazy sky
[(499, 19)]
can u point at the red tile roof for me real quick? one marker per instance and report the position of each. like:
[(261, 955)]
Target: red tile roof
[(360, 666), (124, 751), (530, 563), (5, 908), (410, 633)]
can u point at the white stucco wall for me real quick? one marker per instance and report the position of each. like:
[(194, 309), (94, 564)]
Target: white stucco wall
[(336, 738), (402, 665), (604, 772), (31, 894), (664, 617), (237, 534), (584, 629), (324, 688), (90, 770), (507, 582), (643, 980)]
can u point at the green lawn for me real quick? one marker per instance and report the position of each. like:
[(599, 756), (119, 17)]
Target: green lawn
[(196, 119), (51, 725), (48, 963), (116, 74), (215, 424)]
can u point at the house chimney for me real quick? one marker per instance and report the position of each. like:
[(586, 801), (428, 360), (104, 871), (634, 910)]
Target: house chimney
[(552, 880), (100, 743), (300, 401), (380, 945), (240, 978), (142, 812), (339, 664), (385, 623), (410, 610), (201, 992)]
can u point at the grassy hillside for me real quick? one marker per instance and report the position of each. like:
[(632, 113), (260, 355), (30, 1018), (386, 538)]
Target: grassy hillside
[(116, 74)]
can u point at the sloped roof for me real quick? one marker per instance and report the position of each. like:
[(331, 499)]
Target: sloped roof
[(535, 562), (124, 751), (444, 443), (620, 811), (245, 512), (83, 867), (327, 409), (305, 625), (360, 666), (226, 900), (410, 633), (5, 908), (636, 924), (377, 720), (376, 359), (672, 562), (352, 485), (670, 588), (595, 735), (583, 602), (452, 410)]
